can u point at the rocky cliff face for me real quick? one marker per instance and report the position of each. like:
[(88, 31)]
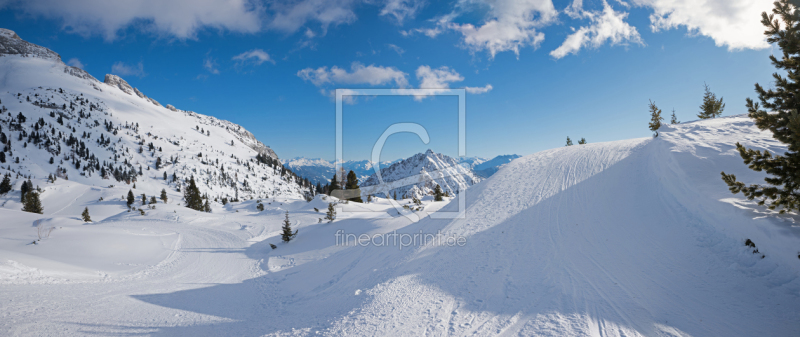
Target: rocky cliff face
[(12, 44)]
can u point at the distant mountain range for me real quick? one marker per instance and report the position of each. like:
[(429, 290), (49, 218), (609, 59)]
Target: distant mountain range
[(488, 168), (321, 170)]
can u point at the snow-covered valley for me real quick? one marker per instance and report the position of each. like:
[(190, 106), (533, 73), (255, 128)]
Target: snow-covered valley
[(546, 253)]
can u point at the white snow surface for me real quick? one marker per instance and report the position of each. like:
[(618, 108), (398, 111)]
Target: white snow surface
[(628, 238)]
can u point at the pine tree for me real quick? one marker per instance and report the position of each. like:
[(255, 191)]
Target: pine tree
[(32, 203), (582, 141), (24, 189), (352, 184), (192, 196), (85, 215), (395, 195), (674, 119), (131, 198), (437, 193), (5, 185), (779, 115), (144, 199), (165, 175), (655, 118), (334, 184), (207, 207), (331, 214), (569, 141), (711, 107), (164, 195), (286, 234)]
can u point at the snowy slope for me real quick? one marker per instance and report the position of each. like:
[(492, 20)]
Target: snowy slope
[(430, 169), (89, 128)]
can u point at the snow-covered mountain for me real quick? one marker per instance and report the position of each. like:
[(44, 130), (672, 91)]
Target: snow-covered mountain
[(488, 168), (428, 169), (320, 170), (58, 120)]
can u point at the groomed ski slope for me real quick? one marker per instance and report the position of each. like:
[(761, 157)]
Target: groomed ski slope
[(629, 238)]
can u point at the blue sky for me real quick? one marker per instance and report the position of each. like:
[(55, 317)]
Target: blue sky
[(537, 70)]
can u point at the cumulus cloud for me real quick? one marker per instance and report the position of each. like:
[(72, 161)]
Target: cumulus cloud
[(255, 56), (437, 78), (74, 62), (509, 26), (289, 16), (607, 26), (178, 18), (358, 74), (441, 78), (732, 23), (401, 9), (123, 69)]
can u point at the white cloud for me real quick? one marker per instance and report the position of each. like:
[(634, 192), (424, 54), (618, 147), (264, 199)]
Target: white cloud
[(289, 16), (479, 90), (122, 69), (732, 23), (211, 65), (256, 56), (437, 78), (178, 18), (358, 74), (402, 9), (74, 62), (510, 25), (396, 49), (607, 26), (441, 78)]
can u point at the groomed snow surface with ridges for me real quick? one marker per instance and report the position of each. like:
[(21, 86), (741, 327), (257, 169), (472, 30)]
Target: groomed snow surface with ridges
[(629, 238)]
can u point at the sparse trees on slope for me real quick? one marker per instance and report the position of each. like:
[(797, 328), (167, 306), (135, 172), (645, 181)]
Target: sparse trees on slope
[(582, 141), (778, 114), (569, 141), (32, 203), (711, 107), (192, 196), (164, 195), (655, 118), (286, 233), (85, 215)]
